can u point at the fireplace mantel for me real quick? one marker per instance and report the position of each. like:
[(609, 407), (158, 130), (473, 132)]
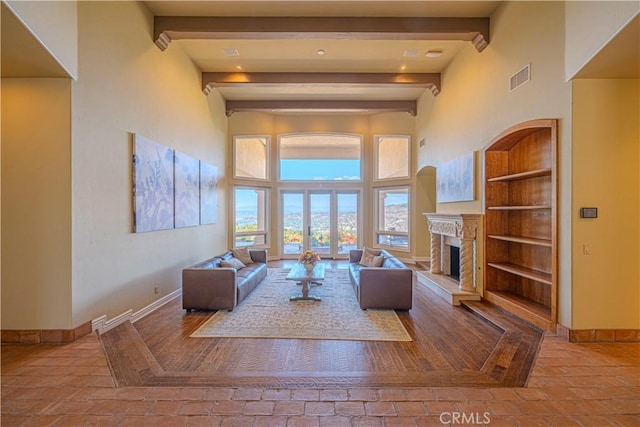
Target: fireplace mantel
[(459, 230), (463, 226)]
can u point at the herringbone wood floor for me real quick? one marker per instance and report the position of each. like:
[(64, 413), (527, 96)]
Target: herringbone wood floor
[(452, 346)]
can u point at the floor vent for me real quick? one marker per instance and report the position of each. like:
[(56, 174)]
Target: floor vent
[(520, 78)]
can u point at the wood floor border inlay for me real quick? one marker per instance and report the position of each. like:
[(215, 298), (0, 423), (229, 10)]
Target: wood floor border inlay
[(473, 346)]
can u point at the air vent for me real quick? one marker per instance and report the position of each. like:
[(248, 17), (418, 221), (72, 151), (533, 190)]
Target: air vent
[(520, 78), (410, 53), (231, 51)]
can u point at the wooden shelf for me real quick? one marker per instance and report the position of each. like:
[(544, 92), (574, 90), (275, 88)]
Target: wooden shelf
[(517, 205), (528, 273), (520, 239), (517, 208), (521, 175), (531, 311)]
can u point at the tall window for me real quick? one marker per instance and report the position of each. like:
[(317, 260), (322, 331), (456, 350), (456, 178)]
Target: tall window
[(320, 157), (392, 157), (251, 157), (392, 217), (251, 216)]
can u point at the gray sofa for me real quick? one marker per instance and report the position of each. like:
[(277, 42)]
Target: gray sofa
[(208, 286), (387, 287)]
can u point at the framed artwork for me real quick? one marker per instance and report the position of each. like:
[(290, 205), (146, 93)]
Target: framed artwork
[(455, 179), (187, 190), (208, 193), (152, 185)]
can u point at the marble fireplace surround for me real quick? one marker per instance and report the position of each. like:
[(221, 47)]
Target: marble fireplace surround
[(459, 230)]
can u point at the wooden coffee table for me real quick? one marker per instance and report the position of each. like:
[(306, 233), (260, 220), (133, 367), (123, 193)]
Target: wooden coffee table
[(300, 274)]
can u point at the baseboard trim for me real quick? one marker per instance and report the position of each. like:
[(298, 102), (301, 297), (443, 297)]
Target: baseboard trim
[(102, 325), (155, 305), (597, 335), (99, 325), (45, 336)]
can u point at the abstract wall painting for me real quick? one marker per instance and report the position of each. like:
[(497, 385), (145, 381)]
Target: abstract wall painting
[(208, 193), (152, 185), (455, 179), (187, 190)]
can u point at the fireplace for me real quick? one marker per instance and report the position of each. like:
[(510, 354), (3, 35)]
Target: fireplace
[(454, 263), (454, 254), (450, 263)]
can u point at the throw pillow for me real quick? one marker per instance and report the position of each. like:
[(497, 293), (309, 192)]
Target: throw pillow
[(367, 256), (376, 261), (372, 251), (243, 255), (370, 260), (233, 263)]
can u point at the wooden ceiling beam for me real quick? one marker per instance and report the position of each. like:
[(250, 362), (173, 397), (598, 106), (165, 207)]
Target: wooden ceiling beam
[(410, 107), (167, 28), (429, 81)]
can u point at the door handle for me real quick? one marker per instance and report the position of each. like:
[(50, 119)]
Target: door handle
[(309, 230)]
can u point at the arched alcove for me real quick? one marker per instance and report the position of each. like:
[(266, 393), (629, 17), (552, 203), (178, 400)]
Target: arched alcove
[(426, 179), (425, 202)]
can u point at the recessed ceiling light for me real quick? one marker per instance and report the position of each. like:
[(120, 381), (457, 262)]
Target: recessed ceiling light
[(403, 67), (320, 52), (239, 67), (231, 51), (435, 53), (410, 52)]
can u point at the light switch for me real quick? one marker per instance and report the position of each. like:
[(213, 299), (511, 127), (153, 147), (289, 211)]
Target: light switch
[(588, 212)]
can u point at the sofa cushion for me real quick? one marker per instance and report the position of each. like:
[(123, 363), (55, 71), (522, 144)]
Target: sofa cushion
[(242, 254), (393, 262), (208, 264), (233, 263)]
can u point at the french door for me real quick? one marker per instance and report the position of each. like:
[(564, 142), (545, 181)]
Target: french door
[(325, 221)]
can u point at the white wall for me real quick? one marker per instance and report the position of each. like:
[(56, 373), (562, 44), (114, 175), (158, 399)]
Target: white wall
[(590, 25), (127, 85), (55, 25), (475, 105)]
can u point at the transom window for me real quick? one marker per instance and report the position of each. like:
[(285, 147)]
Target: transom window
[(320, 157), (392, 157), (251, 157)]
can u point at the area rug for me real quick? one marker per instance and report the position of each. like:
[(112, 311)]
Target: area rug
[(268, 313)]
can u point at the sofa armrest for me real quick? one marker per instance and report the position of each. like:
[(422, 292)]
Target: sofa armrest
[(258, 255), (355, 255), (209, 288)]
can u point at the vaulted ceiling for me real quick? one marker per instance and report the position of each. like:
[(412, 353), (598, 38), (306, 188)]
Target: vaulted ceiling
[(265, 54)]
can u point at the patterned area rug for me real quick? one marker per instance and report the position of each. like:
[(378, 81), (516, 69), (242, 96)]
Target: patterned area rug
[(268, 313)]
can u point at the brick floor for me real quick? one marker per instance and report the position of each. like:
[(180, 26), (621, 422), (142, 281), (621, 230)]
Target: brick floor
[(71, 385)]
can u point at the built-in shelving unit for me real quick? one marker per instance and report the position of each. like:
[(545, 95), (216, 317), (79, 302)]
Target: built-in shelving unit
[(521, 222)]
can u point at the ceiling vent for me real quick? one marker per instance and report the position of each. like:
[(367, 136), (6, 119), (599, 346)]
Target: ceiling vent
[(231, 51), (520, 78)]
